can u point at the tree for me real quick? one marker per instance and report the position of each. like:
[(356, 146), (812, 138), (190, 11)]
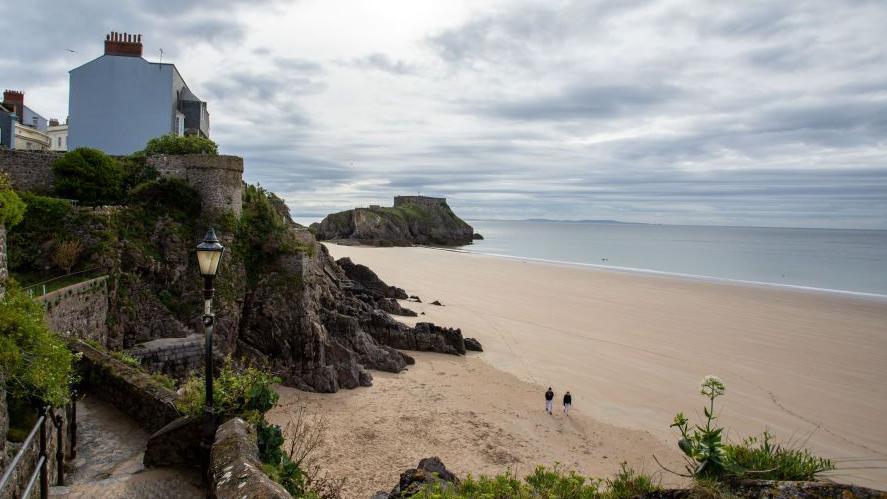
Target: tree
[(89, 176), (175, 144), (66, 255)]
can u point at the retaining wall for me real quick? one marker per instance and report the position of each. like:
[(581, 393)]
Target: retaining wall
[(131, 390), (176, 357), (26, 466), (79, 310), (28, 170), (235, 467), (218, 179)]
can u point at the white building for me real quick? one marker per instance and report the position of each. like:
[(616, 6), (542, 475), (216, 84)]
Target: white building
[(58, 135), (20, 126)]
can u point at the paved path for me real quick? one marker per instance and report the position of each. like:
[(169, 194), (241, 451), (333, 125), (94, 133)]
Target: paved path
[(110, 447)]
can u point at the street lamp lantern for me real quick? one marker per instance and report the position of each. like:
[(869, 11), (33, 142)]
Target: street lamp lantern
[(209, 254)]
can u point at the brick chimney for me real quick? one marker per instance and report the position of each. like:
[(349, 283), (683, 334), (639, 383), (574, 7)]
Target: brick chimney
[(123, 44), (15, 100)]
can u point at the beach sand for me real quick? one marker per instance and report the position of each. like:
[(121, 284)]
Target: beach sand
[(632, 348)]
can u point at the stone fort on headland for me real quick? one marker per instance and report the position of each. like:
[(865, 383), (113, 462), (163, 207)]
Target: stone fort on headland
[(426, 201), (218, 179)]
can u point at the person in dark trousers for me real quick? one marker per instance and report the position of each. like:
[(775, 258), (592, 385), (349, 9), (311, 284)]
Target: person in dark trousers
[(568, 401), (549, 400)]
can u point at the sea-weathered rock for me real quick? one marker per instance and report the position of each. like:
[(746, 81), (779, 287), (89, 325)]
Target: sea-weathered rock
[(437, 302), (473, 345), (412, 220), (415, 299), (235, 468), (477, 236), (430, 470), (364, 277)]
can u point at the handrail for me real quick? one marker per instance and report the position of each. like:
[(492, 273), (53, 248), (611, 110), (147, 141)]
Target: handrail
[(41, 465), (25, 288), (21, 452)]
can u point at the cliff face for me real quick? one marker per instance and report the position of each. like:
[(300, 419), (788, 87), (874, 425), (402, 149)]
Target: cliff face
[(412, 220), (281, 301)]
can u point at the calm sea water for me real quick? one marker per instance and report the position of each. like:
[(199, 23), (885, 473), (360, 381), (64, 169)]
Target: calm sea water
[(847, 260)]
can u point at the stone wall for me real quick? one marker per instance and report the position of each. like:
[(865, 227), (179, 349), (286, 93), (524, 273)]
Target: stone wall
[(28, 170), (27, 464), (79, 310), (218, 179), (418, 201), (235, 467), (131, 390), (176, 357)]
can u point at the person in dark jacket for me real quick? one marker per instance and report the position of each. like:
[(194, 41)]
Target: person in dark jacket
[(549, 400), (568, 401)]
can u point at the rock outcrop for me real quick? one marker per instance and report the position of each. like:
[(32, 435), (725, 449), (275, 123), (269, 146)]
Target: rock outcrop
[(429, 471), (412, 220)]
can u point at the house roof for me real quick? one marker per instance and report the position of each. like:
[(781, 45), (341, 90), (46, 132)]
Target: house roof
[(162, 64)]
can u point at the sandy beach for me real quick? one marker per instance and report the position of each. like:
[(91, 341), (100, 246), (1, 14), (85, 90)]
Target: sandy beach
[(632, 348)]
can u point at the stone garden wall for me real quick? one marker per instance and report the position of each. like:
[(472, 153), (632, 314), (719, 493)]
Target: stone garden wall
[(28, 170), (176, 357), (235, 467), (80, 310), (131, 390)]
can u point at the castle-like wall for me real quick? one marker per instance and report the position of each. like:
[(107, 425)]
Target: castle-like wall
[(28, 170), (218, 179), (79, 310), (4, 269), (176, 357), (418, 201)]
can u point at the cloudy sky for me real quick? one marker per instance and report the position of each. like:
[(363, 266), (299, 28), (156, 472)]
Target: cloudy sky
[(737, 113)]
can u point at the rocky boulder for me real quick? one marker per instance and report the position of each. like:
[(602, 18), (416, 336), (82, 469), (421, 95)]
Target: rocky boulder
[(473, 345), (430, 470)]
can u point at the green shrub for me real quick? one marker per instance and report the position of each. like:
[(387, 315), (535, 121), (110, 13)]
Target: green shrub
[(89, 176), (628, 484), (760, 458), (164, 380), (12, 208), (247, 394), (127, 359), (34, 361), (703, 446), (175, 144), (171, 196), (136, 171), (545, 483)]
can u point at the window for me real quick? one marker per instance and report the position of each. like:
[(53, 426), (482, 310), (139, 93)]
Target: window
[(34, 120), (180, 125), (60, 142)]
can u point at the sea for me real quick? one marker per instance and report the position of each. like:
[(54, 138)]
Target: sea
[(832, 260)]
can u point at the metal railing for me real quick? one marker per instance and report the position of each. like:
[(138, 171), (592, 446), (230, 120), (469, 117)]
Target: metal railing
[(34, 290), (41, 467)]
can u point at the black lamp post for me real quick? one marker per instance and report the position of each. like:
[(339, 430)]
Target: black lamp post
[(209, 254)]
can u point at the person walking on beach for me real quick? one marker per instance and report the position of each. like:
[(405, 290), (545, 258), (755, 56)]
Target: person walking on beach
[(549, 400), (568, 401)]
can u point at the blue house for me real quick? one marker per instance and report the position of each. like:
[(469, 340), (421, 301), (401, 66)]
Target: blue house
[(119, 101)]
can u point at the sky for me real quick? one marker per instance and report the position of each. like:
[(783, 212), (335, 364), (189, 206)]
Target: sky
[(672, 111)]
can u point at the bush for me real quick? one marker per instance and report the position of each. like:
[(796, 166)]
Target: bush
[(172, 196), (546, 483), (89, 176), (136, 171), (175, 144), (127, 359), (760, 458), (12, 208), (247, 394), (34, 361)]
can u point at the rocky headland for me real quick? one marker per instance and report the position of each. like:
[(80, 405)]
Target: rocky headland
[(412, 220)]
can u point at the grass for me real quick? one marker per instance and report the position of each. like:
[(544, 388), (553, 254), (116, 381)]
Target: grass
[(34, 281), (761, 459), (546, 483)]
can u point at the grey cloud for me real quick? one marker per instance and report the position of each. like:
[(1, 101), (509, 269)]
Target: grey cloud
[(383, 62), (584, 101)]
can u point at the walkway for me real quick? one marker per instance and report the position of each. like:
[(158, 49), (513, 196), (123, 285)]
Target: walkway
[(110, 447)]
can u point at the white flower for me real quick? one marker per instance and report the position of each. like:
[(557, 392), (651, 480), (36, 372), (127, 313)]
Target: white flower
[(712, 386)]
